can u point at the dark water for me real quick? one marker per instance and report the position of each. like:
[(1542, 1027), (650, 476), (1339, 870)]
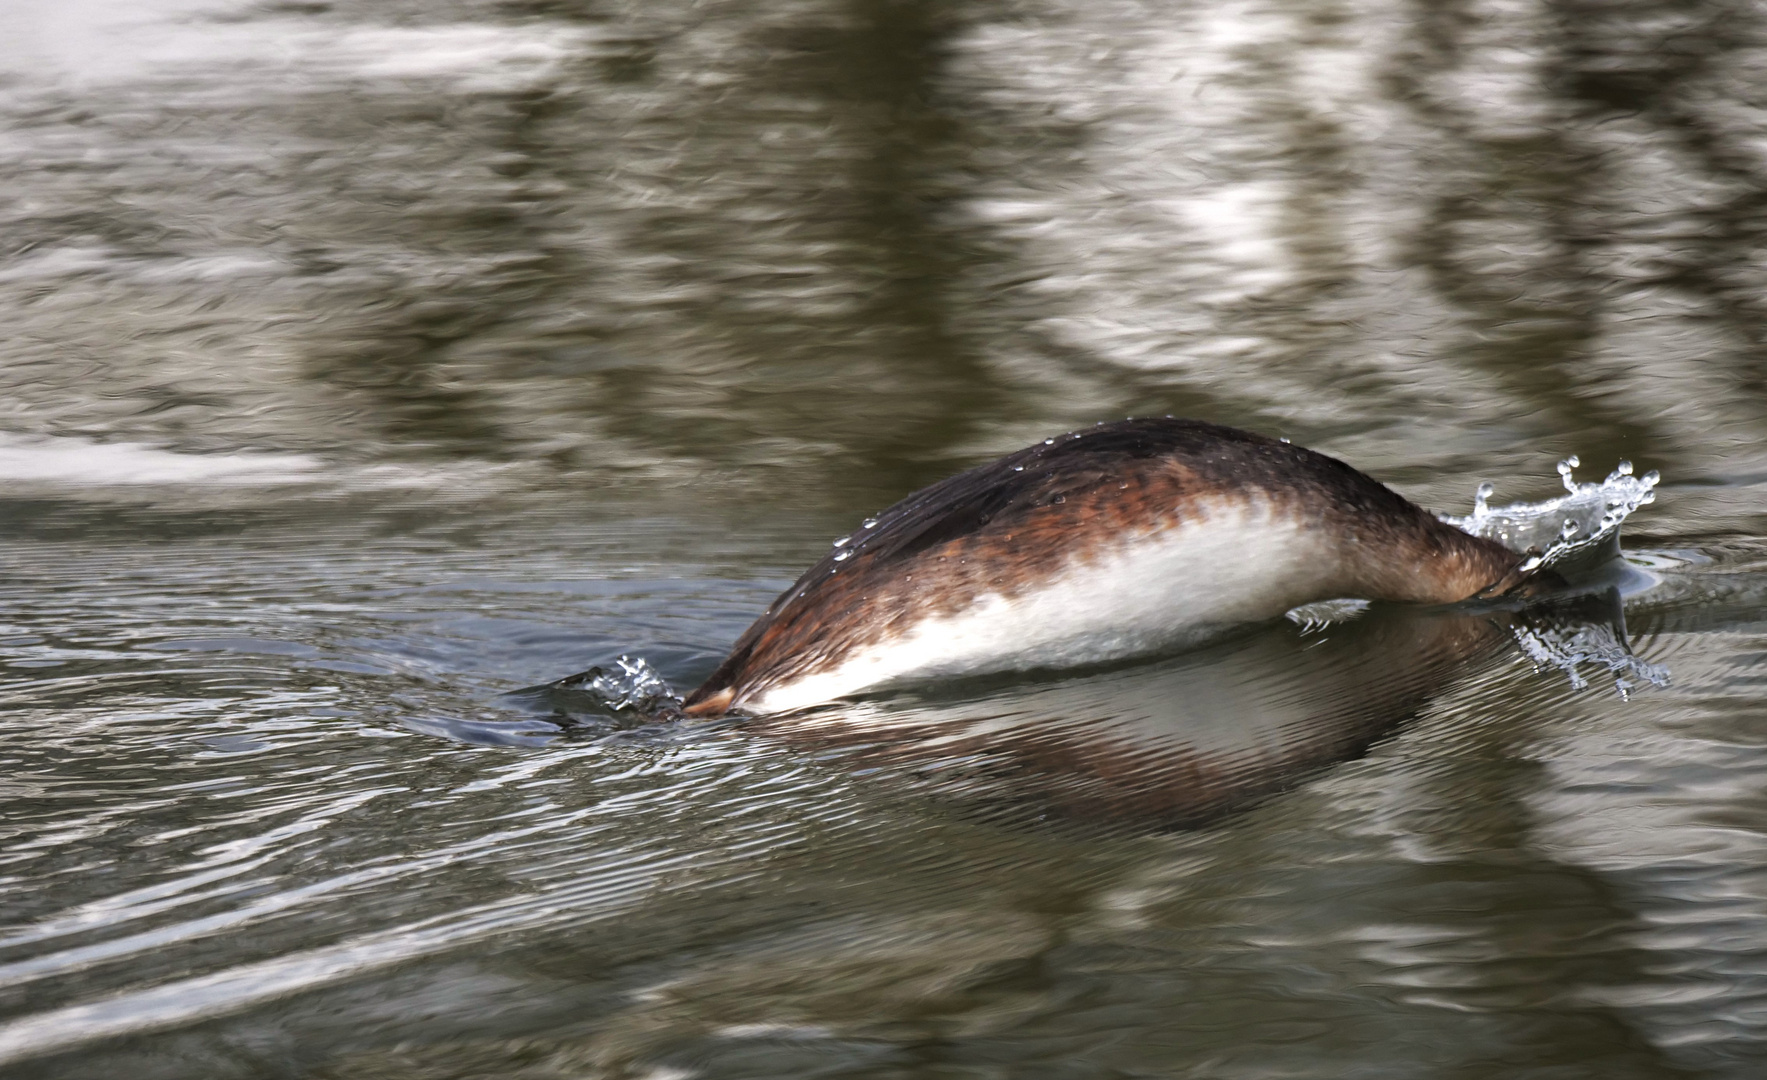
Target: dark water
[(365, 362)]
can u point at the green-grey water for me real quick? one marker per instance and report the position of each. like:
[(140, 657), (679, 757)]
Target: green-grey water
[(364, 363)]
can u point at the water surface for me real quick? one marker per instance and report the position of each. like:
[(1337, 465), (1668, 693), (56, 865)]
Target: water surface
[(365, 363)]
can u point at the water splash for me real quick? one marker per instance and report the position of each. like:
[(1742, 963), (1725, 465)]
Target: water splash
[(1577, 530), (1583, 521), (632, 686)]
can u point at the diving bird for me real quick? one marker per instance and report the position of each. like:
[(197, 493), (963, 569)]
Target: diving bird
[(1123, 539)]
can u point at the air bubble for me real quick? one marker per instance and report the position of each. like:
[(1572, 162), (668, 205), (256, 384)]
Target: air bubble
[(841, 541), (842, 556), (868, 523), (1624, 468)]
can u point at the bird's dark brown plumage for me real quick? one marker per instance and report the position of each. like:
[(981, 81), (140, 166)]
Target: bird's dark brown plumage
[(1014, 523)]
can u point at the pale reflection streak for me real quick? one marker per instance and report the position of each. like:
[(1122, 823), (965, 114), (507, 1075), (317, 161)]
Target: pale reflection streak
[(602, 892), (568, 876)]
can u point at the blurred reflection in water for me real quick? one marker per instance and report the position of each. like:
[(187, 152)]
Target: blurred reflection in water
[(1176, 741), (864, 241)]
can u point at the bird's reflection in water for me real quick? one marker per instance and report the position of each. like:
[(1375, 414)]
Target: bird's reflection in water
[(1175, 741), (1182, 740)]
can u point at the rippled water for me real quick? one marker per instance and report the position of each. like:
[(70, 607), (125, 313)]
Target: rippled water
[(367, 363)]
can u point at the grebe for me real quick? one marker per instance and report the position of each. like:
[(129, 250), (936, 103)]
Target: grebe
[(1096, 545)]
